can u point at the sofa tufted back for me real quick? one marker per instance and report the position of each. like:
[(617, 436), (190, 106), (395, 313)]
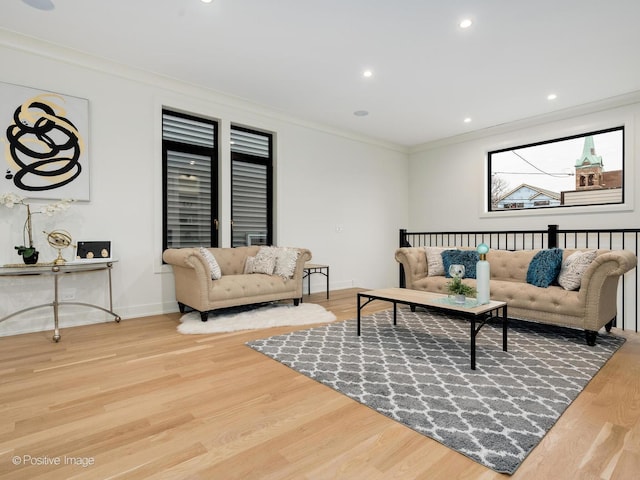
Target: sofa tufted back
[(513, 266), (232, 260)]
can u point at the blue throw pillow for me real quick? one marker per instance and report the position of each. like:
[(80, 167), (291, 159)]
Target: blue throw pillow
[(468, 258), (544, 267)]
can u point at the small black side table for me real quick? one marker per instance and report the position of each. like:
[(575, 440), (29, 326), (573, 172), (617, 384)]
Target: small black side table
[(310, 269)]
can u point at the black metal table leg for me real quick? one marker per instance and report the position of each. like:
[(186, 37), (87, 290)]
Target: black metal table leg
[(505, 321), (473, 342), (359, 308), (395, 313)]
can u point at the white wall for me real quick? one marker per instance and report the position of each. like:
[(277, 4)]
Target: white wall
[(325, 181), (447, 187)]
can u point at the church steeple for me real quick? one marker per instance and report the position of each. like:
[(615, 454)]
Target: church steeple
[(588, 167), (589, 157)]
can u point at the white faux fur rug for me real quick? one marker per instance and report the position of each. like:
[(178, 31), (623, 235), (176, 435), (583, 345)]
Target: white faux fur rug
[(263, 317)]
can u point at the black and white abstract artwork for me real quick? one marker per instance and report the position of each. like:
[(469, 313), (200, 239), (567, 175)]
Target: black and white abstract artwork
[(44, 138)]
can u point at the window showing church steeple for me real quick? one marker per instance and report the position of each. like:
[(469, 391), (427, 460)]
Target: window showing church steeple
[(588, 166), (589, 156), (561, 172)]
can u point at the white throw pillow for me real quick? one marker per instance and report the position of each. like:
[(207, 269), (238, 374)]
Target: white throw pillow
[(265, 260), (248, 265), (573, 267), (214, 268), (286, 259), (435, 266)]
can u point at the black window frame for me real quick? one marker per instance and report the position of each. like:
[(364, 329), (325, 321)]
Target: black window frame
[(268, 162), (489, 205), (212, 152)]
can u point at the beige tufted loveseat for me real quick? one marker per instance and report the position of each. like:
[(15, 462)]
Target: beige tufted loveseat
[(591, 307), (195, 289)]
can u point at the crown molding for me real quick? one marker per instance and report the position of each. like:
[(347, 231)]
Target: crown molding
[(563, 114), (34, 46)]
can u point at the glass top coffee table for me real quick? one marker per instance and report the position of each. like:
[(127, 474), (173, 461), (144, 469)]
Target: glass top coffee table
[(477, 314)]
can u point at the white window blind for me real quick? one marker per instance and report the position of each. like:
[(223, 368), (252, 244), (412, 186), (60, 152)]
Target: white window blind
[(188, 131), (188, 146), (251, 163), (250, 143)]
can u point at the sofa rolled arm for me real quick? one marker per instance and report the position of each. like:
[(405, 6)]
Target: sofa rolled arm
[(609, 264), (182, 257), (414, 262), (192, 276), (599, 286)]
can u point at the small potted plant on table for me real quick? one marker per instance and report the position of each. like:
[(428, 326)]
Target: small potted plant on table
[(460, 290)]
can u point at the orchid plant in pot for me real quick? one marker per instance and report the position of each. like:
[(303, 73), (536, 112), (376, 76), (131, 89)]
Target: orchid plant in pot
[(27, 250)]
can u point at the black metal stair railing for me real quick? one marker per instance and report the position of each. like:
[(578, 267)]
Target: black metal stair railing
[(551, 237)]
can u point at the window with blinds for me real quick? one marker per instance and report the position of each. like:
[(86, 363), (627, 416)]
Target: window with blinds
[(189, 180), (251, 187)]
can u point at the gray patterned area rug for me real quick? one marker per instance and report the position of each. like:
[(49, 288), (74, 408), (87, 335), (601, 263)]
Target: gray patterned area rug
[(418, 373)]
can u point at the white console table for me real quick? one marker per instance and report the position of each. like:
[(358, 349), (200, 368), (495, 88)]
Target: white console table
[(84, 266)]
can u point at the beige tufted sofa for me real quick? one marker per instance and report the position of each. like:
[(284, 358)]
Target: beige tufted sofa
[(195, 288), (590, 308)]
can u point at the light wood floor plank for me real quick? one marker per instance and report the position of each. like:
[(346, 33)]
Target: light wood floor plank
[(139, 401)]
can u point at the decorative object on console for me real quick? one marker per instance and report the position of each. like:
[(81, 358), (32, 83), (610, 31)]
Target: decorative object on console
[(59, 239), (90, 250), (483, 274), (29, 253)]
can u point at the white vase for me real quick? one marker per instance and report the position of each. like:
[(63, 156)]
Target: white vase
[(483, 274)]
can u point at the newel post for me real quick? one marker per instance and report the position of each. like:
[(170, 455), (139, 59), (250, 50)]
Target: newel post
[(402, 242), (552, 236)]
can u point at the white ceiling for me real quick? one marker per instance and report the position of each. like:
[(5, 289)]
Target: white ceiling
[(305, 58)]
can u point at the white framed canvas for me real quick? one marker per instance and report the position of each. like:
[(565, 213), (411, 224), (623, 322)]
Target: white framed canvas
[(44, 137)]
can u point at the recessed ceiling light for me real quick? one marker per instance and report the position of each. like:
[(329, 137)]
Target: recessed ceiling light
[(206, 1), (467, 120), (552, 96), (367, 73), (466, 23), (361, 113)]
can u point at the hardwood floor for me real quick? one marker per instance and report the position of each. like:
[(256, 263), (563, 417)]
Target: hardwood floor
[(138, 400)]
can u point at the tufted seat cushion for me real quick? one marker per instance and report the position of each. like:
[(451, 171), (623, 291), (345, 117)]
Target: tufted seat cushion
[(231, 287)]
